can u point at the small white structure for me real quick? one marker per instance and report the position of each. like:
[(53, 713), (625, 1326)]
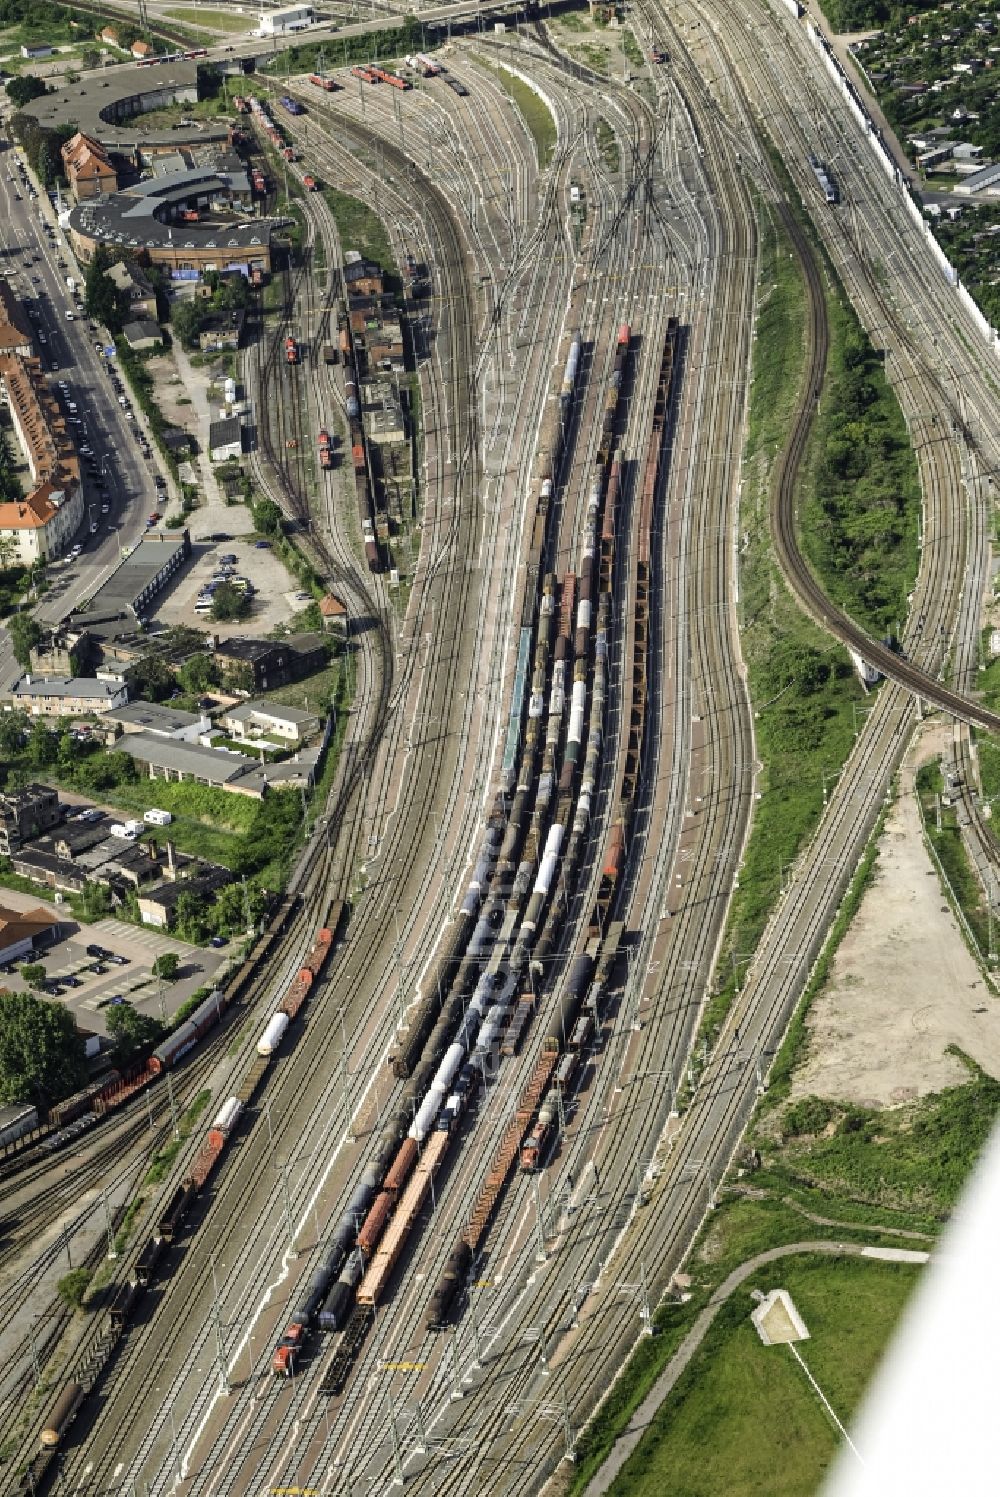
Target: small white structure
[(776, 1320), (289, 18)]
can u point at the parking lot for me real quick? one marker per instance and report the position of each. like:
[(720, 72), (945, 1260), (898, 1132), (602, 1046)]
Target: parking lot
[(90, 984), (274, 600)]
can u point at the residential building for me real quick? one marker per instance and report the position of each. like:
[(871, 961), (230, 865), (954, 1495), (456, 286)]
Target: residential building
[(88, 167), (140, 50), (253, 721), (225, 439), (16, 336), (223, 331), (68, 696), (142, 334), (24, 932), (125, 276), (272, 663), (40, 525), (26, 813), (173, 759), (157, 718)]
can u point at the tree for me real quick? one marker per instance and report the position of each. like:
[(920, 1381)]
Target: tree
[(236, 907), (266, 517), (190, 918), (41, 1050), (102, 298), (229, 603), (25, 633), (34, 974), (151, 678), (187, 319), (22, 90), (43, 745), (166, 965), (239, 677), (131, 1031), (72, 1287), (13, 726), (198, 673)]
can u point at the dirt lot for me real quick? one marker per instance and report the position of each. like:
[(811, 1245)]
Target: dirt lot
[(274, 602), (903, 985)]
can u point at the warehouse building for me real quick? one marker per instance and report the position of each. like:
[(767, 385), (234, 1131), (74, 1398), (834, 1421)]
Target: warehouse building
[(281, 22)]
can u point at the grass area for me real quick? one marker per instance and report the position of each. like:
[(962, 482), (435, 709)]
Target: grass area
[(768, 1431), (165, 1158), (737, 1230), (607, 144), (631, 48), (535, 112), (360, 228), (964, 885), (210, 20), (208, 823), (911, 1160), (801, 685), (859, 515)]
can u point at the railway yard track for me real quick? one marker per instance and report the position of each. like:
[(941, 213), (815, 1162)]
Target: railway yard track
[(544, 790)]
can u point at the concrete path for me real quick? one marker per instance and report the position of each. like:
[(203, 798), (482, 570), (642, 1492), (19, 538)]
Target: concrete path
[(196, 387), (646, 1412)]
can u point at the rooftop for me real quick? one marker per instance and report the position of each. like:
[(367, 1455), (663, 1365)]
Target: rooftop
[(243, 648), (247, 710), (107, 106), (118, 598), (81, 687), (18, 925), (141, 329), (154, 716), (222, 433), (205, 882), (216, 765)]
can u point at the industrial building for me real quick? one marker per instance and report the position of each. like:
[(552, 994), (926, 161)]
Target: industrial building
[(281, 22), (124, 599)]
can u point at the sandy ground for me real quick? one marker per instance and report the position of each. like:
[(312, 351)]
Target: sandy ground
[(274, 602), (903, 985)]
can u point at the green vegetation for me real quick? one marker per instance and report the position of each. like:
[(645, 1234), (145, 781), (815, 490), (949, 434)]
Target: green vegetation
[(134, 1034), (15, 582), (913, 1159), (22, 90), (102, 299), (860, 513), (72, 1287), (164, 1159), (41, 146), (229, 603), (769, 1432), (25, 633), (631, 48), (607, 144), (944, 834), (368, 46), (361, 229), (166, 965), (41, 1051), (536, 113), (230, 293), (33, 974), (802, 686), (210, 20)]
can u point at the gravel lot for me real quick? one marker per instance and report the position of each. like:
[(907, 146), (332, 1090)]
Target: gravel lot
[(273, 603), (904, 985)]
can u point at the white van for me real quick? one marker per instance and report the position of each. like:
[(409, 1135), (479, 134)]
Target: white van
[(157, 818), (126, 833)]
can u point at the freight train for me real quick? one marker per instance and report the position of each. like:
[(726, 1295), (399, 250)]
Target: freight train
[(222, 1128)]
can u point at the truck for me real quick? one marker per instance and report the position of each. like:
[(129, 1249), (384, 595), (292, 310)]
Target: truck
[(71, 285)]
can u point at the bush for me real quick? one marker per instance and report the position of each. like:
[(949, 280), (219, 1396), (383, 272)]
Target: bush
[(73, 1286), (810, 1115)]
